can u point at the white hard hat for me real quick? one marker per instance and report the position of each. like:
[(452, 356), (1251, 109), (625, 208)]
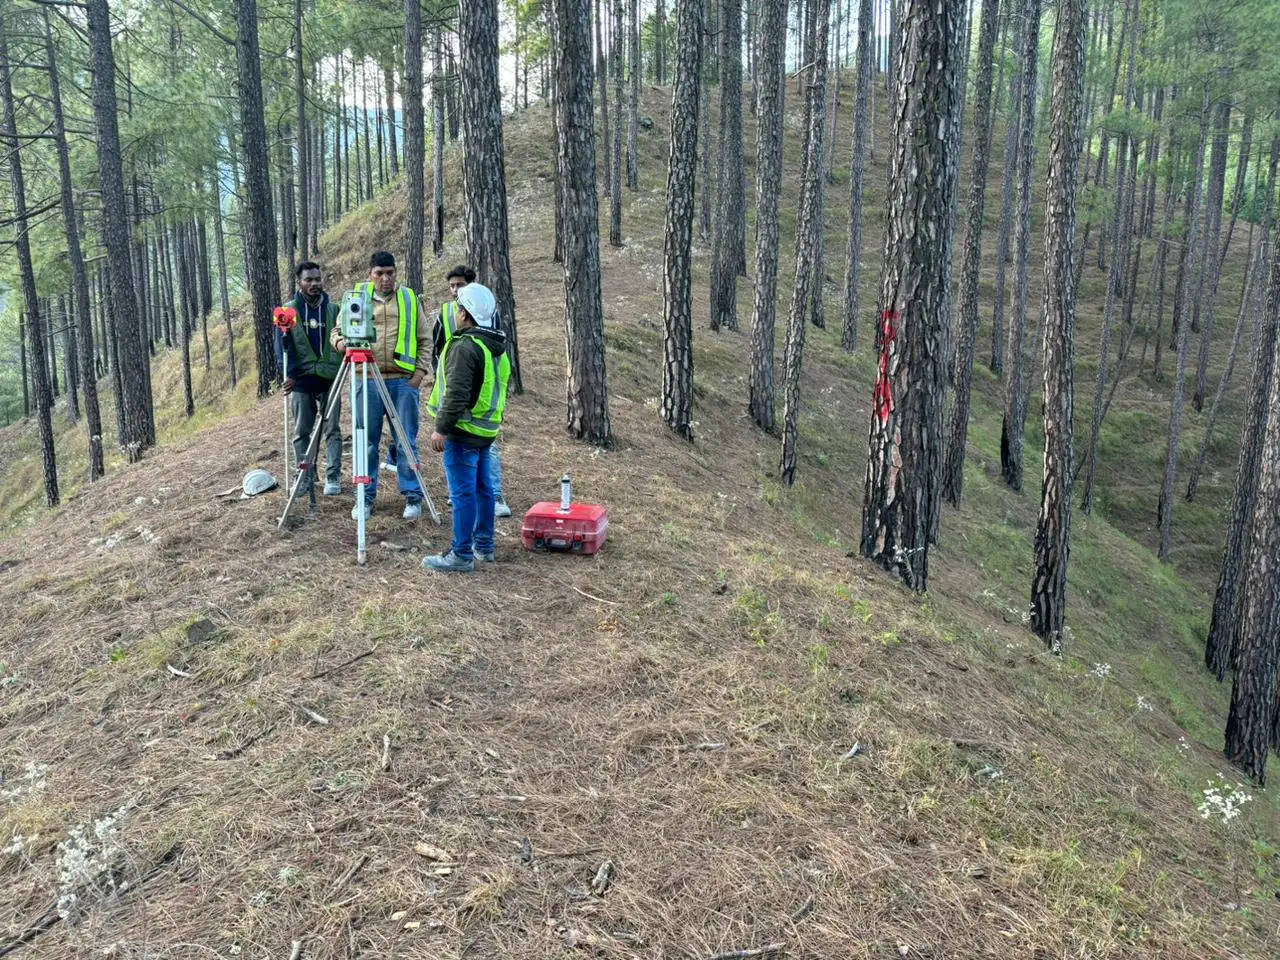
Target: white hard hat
[(478, 301), (256, 482)]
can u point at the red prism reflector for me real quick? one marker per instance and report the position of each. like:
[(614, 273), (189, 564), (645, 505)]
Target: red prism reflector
[(580, 529)]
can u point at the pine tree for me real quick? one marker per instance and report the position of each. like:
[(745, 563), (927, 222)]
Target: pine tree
[(414, 143), (904, 459), (1053, 530), (729, 197), (857, 174), (633, 106), (770, 79), (677, 341), (617, 63), (587, 388)]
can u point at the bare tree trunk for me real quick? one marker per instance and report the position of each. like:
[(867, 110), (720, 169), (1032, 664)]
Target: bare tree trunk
[(857, 176), (729, 199), (615, 157), (304, 159), (1164, 511), (677, 341), (1011, 143), (806, 237), (602, 74), (264, 277), (389, 76), (1053, 530), (1210, 271), (633, 107), (437, 153), (79, 277), (135, 398), (771, 77), (587, 386), (1015, 395), (660, 44), (555, 98), (704, 133), (484, 176), (414, 142), (815, 153), (221, 251), (967, 316), (904, 446)]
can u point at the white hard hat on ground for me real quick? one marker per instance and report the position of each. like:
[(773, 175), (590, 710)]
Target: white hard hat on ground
[(478, 301)]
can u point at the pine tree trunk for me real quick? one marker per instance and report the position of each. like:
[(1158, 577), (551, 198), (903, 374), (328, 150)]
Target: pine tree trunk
[(660, 44), (806, 238), (770, 79), (557, 122), (304, 160), (617, 62), (1164, 511), (904, 458), (183, 263), (816, 153), (22, 351), (705, 177), (1253, 698), (967, 316), (484, 177), (1220, 649), (633, 107), (219, 243), (79, 277), (1017, 15), (1015, 394), (1053, 530), (677, 341), (414, 143), (135, 399), (377, 127), (437, 152), (857, 176), (389, 76), (1210, 265), (368, 148), (339, 164), (602, 74), (587, 386), (264, 277), (725, 240)]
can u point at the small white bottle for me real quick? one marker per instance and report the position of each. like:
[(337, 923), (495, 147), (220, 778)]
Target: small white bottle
[(566, 493)]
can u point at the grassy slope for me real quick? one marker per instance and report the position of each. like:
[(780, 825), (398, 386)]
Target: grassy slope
[(680, 705)]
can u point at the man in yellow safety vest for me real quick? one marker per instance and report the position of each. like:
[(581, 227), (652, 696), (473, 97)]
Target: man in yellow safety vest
[(468, 401), (402, 351)]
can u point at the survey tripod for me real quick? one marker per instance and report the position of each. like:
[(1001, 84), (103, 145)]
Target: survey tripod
[(360, 368)]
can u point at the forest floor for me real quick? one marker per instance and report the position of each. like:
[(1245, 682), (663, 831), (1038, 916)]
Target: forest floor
[(378, 762)]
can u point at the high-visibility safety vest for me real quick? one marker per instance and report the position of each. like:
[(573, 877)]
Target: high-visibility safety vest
[(485, 417), (406, 352), (449, 319)]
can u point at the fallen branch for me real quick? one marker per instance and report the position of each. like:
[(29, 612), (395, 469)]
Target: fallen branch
[(310, 714), (346, 663), (386, 752), (178, 673), (703, 747), (770, 950), (603, 877), (347, 876), (591, 596), (46, 921)]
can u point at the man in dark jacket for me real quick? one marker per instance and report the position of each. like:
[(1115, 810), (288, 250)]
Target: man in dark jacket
[(312, 367), (468, 402)]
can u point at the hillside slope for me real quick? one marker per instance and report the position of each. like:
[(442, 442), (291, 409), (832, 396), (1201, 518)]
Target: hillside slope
[(684, 706)]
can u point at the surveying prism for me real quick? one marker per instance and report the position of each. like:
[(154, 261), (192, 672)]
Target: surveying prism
[(355, 322)]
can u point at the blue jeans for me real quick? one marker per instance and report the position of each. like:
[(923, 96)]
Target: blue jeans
[(407, 406), (467, 470), (495, 470)]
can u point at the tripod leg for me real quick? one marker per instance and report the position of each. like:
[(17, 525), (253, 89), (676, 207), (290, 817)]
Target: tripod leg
[(402, 443), (360, 456), (313, 445)]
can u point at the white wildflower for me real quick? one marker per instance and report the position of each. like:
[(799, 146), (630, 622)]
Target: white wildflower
[(1183, 744), (1144, 703), (1222, 801), (1101, 670), (88, 861), (31, 781)]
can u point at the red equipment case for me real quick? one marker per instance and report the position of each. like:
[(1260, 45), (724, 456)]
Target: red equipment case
[(581, 529)]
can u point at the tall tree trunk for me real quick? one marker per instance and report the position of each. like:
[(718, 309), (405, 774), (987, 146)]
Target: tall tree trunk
[(770, 78), (602, 74), (484, 175), (1219, 650), (587, 386), (704, 132), (725, 240), (806, 238), (967, 317), (904, 457), (677, 341), (264, 277), (1017, 14), (437, 152), (857, 176), (1210, 271), (389, 77), (304, 159), (35, 328), (364, 114), (414, 142), (1164, 510), (1253, 694), (377, 126), (633, 107), (1053, 529), (183, 263), (617, 62), (22, 351), (815, 153), (79, 277), (135, 376), (555, 98), (221, 251), (660, 44)]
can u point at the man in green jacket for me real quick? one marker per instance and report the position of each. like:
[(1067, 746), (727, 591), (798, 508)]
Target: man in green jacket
[(468, 401), (313, 365)]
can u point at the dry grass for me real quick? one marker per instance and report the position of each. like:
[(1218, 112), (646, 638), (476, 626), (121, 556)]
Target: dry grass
[(692, 724)]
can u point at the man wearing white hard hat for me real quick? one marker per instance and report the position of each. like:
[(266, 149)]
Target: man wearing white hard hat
[(468, 401)]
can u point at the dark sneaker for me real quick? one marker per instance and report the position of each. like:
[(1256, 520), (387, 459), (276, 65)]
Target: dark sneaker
[(483, 557), (448, 563)]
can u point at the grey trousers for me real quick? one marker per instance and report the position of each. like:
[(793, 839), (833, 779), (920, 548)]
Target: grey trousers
[(306, 407)]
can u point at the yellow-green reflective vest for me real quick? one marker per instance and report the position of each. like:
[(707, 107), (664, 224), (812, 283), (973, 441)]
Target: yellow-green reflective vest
[(485, 416), (406, 352), (449, 319)]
